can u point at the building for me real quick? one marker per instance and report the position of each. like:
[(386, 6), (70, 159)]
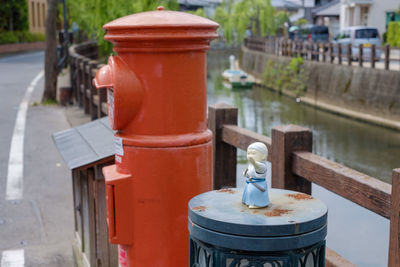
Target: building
[(307, 9), (37, 15), (328, 14), (373, 13), (208, 6)]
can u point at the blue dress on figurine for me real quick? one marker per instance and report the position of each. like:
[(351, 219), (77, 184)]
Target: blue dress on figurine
[(252, 194), (255, 194)]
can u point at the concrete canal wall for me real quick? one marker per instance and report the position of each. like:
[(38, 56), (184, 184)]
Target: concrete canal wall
[(366, 94)]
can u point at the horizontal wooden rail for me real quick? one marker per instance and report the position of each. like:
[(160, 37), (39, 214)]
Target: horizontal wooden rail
[(359, 188), (325, 51), (242, 138), (295, 167)]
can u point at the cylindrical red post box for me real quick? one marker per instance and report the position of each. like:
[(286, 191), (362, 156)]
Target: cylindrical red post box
[(157, 105)]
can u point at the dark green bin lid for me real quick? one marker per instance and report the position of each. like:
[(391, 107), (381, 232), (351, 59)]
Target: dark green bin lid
[(293, 220)]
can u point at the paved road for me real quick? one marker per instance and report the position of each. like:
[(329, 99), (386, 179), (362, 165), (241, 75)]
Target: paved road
[(36, 229)]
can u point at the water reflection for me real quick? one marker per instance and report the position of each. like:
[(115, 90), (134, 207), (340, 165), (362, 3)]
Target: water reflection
[(367, 148)]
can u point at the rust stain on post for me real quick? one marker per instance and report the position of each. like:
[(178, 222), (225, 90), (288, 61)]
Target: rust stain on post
[(199, 208), (276, 212), (226, 190), (300, 196)]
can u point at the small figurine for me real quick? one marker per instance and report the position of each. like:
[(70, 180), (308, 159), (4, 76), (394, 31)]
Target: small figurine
[(255, 194)]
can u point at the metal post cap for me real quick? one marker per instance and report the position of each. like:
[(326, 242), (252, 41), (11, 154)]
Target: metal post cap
[(292, 220)]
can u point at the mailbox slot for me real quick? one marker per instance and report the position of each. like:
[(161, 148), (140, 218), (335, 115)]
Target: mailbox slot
[(119, 205)]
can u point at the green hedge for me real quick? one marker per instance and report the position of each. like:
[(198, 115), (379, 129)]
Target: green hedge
[(393, 33), (291, 76), (12, 37)]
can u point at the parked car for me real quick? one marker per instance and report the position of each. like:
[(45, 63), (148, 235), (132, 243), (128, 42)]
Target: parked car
[(367, 36), (310, 32)]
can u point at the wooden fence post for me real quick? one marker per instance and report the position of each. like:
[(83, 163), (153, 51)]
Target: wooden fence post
[(331, 55), (360, 55), (373, 55), (394, 242), (387, 56), (84, 85), (224, 155), (93, 91), (78, 80), (339, 47), (71, 61), (323, 52), (349, 54), (285, 140), (102, 99)]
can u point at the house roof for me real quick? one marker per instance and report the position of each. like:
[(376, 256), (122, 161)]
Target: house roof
[(199, 3), (285, 4), (329, 9)]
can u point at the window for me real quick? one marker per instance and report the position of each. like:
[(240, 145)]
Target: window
[(33, 14), (366, 33), (38, 14), (44, 14), (364, 15)]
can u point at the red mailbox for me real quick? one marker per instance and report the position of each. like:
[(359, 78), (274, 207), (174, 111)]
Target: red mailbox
[(157, 105)]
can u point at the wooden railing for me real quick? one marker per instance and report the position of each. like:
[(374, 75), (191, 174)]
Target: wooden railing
[(330, 52), (294, 167), (83, 68)]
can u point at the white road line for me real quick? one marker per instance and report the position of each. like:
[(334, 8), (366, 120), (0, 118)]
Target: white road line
[(13, 258), (16, 159)]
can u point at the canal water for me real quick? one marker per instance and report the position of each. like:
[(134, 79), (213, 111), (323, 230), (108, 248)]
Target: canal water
[(354, 232)]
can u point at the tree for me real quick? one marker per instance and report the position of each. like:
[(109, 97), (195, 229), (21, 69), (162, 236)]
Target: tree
[(13, 15), (50, 64), (199, 12), (235, 18), (91, 15)]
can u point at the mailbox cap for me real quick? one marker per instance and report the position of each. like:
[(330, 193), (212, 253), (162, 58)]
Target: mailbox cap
[(161, 19), (160, 31)]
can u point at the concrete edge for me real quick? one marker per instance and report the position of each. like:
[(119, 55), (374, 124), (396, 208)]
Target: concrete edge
[(80, 259), (332, 259), (372, 119)]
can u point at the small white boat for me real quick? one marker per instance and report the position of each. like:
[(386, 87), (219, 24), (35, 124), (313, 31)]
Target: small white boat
[(237, 78)]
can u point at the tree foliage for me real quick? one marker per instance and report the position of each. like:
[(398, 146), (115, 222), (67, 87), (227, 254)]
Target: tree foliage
[(199, 12), (237, 17), (301, 22), (393, 33), (91, 15), (13, 15)]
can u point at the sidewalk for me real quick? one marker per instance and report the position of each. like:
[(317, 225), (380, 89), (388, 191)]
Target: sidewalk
[(41, 225)]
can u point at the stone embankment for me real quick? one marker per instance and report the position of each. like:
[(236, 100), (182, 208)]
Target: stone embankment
[(23, 47), (366, 94)]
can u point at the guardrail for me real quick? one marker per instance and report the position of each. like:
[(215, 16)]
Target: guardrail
[(83, 67), (294, 167), (367, 55)]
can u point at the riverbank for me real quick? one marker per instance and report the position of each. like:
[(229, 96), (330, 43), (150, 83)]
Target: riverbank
[(341, 90)]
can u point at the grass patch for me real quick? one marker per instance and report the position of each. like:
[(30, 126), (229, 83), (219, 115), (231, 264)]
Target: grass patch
[(49, 102)]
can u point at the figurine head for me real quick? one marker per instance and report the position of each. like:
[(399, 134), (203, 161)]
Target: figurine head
[(258, 151)]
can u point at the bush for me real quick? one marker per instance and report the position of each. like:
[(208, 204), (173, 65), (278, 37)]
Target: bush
[(289, 76), (8, 38), (12, 37), (393, 33)]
